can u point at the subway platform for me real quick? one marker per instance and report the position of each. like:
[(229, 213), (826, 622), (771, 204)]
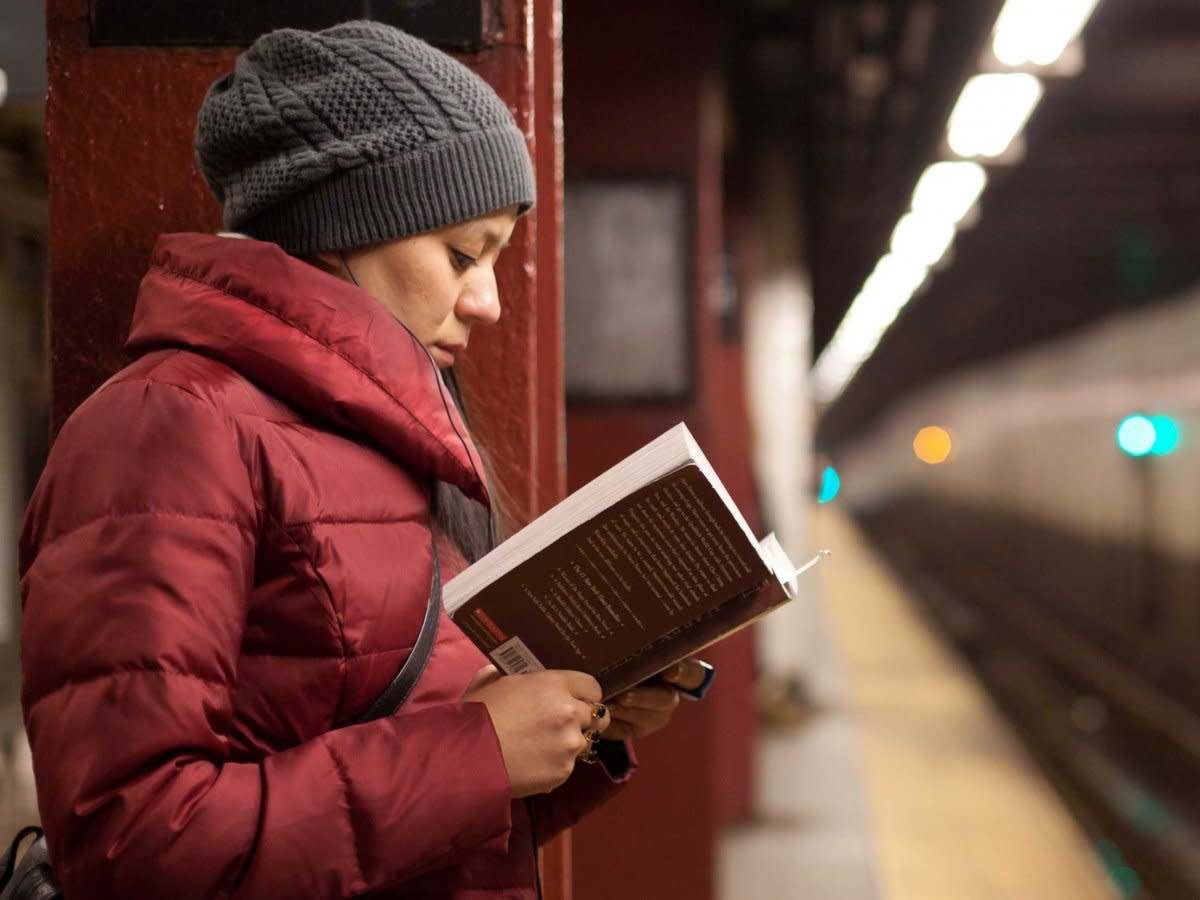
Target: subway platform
[(905, 783)]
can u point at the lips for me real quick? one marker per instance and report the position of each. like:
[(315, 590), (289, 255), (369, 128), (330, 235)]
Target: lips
[(449, 352)]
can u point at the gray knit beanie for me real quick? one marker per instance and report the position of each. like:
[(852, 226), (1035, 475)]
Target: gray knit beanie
[(353, 135)]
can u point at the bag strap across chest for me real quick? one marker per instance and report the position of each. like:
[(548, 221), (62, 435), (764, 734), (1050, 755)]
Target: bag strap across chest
[(406, 679)]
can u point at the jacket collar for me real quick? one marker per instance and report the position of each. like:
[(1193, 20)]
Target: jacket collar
[(320, 344)]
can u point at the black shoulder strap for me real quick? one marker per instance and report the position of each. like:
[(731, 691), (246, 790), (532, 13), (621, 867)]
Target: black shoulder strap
[(32, 878), (10, 858), (397, 692)]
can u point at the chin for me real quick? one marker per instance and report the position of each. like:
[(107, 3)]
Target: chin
[(442, 358)]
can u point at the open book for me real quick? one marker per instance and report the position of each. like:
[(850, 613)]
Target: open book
[(640, 568)]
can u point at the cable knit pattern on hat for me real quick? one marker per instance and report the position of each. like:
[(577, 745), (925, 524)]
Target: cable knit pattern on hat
[(353, 135)]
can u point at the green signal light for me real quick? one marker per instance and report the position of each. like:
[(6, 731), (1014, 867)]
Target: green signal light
[(1140, 435), (1166, 435), (1136, 435), (831, 484)]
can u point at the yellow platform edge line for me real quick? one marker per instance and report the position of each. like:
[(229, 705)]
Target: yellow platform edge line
[(957, 808)]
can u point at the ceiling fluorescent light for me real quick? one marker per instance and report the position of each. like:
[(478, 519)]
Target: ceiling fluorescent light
[(3, 86), (827, 383), (841, 359), (896, 274), (948, 190), (884, 294), (877, 305), (875, 309), (1038, 31), (922, 238), (832, 371), (991, 111)]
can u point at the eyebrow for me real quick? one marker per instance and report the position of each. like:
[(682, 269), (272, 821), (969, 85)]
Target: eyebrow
[(492, 239)]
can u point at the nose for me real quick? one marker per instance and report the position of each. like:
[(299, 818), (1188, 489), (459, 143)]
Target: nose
[(479, 303)]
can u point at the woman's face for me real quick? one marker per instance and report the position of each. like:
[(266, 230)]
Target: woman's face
[(439, 284)]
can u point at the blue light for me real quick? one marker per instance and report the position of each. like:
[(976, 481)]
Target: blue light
[(1136, 435), (1166, 435), (831, 483)]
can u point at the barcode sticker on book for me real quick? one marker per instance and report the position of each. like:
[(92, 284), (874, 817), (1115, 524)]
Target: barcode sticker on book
[(514, 658)]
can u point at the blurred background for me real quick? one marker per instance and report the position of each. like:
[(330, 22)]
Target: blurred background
[(923, 276), (24, 430)]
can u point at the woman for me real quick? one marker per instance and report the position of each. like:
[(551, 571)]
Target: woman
[(230, 553)]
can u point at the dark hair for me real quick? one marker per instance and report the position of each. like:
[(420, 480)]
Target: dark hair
[(465, 521)]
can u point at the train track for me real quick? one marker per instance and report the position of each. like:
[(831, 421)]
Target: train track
[(1123, 754)]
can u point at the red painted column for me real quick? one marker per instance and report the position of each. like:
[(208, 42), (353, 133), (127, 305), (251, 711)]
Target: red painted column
[(551, 470), (119, 125), (513, 377), (640, 100)]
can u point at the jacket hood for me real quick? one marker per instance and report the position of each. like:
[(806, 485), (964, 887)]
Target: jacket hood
[(324, 346)]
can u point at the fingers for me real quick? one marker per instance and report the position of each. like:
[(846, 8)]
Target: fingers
[(593, 717), (620, 731), (582, 686), (688, 674), (646, 696), (601, 717), (637, 722), (599, 720)]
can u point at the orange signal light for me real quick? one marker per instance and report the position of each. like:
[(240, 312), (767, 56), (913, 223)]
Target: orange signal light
[(932, 445)]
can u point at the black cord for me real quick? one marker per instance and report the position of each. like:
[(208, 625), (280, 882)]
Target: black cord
[(537, 863), (442, 390), (450, 378)]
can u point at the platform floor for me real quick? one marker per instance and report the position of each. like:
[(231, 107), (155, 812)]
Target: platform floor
[(906, 784)]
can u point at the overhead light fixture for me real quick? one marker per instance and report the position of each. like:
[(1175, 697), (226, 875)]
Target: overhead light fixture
[(884, 294), (840, 359), (1036, 32), (3, 86), (948, 190), (922, 238), (899, 275), (833, 372), (991, 111), (829, 373)]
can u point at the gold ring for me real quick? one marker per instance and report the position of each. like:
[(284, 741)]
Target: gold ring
[(599, 710), (588, 754)]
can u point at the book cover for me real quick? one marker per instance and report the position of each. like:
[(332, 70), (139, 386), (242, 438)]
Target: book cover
[(661, 573)]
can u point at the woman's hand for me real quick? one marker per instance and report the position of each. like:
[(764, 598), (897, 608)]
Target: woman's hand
[(541, 720), (647, 708)]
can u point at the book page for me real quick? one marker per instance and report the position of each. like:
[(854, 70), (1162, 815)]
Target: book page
[(647, 567), (666, 453)]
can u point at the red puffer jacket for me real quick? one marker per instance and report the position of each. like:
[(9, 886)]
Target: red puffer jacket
[(226, 561)]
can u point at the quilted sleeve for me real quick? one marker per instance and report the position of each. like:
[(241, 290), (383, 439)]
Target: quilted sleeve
[(589, 787), (137, 562)]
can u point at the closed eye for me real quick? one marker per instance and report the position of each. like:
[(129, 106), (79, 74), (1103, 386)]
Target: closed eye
[(461, 260)]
